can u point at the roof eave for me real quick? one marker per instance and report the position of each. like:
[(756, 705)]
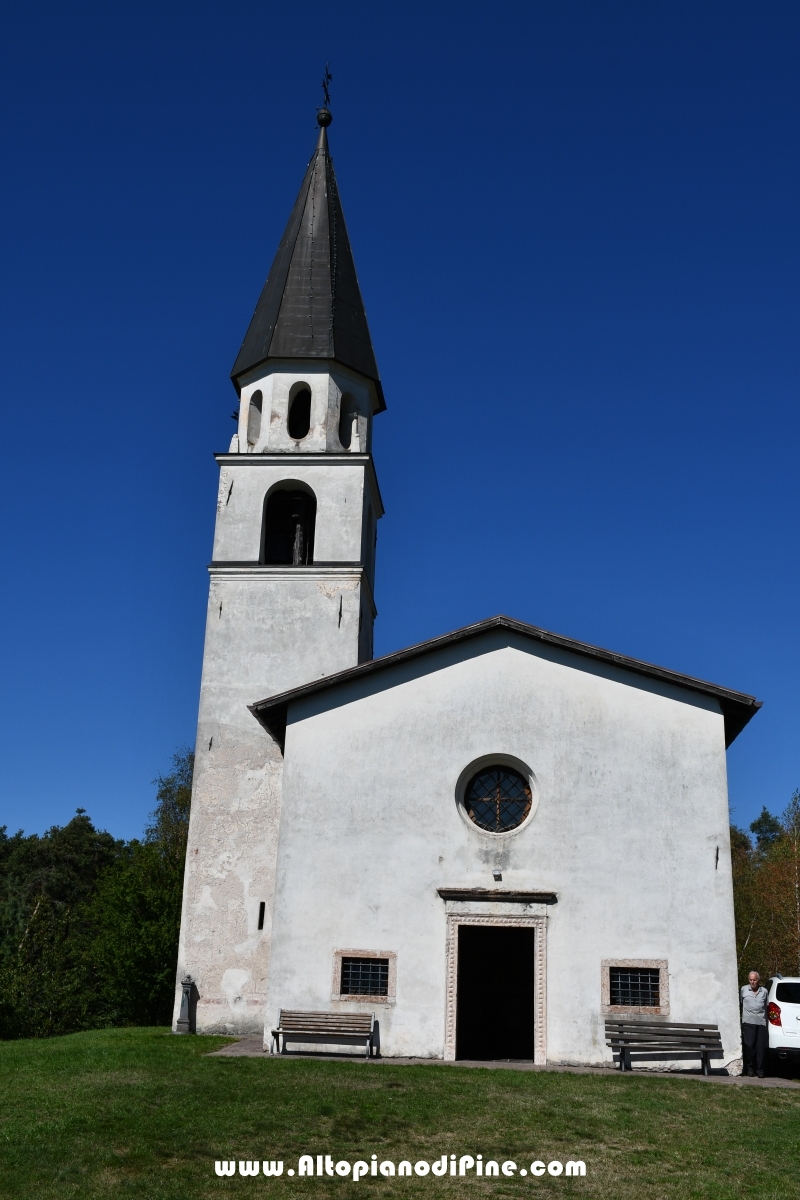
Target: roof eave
[(273, 720), (737, 707), (238, 376)]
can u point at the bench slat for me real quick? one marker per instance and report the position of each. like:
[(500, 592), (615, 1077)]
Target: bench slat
[(658, 1037), (302, 1012), (293, 1027), (656, 1025), (655, 1041), (321, 1030), (665, 1033), (334, 1023), (665, 1037), (640, 1043), (310, 1020), (663, 1045), (325, 1020)]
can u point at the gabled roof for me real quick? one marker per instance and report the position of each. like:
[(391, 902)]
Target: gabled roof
[(737, 708), (311, 305)]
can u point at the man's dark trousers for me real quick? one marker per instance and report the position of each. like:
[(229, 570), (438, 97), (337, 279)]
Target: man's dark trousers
[(754, 1044)]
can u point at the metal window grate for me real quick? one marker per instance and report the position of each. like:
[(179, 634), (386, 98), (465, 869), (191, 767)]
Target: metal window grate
[(498, 799), (635, 987), (365, 977)]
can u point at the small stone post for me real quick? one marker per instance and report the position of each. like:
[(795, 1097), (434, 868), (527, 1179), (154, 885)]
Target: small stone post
[(185, 1023)]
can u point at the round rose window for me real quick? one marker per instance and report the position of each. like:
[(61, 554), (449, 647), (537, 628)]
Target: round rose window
[(498, 799)]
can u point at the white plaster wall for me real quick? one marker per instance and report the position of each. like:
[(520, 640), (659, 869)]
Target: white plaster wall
[(273, 631), (633, 804), (268, 629), (343, 486), (280, 383)]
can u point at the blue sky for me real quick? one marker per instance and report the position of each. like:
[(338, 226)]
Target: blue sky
[(576, 231)]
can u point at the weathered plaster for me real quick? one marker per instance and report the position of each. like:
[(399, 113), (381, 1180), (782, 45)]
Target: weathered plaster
[(268, 628), (328, 385), (632, 806)]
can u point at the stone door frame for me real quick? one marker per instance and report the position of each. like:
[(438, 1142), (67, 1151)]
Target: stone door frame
[(539, 925)]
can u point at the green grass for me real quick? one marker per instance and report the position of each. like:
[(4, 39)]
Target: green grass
[(138, 1112)]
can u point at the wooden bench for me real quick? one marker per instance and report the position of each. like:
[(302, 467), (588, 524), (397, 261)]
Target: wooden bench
[(331, 1028), (656, 1039)]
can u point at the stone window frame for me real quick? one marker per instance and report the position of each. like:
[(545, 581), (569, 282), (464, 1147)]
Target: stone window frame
[(485, 761), (608, 1009), (336, 978), (536, 922)]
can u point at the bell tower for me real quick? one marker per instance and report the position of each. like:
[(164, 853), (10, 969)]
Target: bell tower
[(292, 583)]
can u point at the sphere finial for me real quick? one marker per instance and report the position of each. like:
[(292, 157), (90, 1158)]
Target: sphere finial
[(324, 117)]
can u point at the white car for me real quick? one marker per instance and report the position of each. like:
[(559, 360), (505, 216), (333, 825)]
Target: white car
[(783, 1017)]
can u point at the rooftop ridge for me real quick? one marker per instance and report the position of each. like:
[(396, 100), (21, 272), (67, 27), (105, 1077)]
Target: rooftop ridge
[(737, 707)]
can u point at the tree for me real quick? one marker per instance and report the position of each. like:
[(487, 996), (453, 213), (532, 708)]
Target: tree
[(169, 822), (137, 909), (766, 888), (768, 830), (47, 883), (89, 924), (791, 831), (745, 906)]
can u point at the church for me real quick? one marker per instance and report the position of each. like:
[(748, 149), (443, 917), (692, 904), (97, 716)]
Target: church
[(491, 841)]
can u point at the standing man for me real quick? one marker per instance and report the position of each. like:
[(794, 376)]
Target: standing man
[(754, 1024)]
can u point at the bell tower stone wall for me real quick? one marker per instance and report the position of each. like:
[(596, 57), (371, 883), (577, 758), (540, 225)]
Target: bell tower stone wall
[(270, 627)]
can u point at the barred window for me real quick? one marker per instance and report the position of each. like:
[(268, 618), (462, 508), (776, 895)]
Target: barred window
[(498, 799), (365, 977), (635, 987)]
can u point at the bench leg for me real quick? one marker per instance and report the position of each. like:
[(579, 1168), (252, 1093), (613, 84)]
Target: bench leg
[(706, 1063)]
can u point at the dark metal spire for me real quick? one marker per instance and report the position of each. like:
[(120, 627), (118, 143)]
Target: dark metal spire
[(311, 305)]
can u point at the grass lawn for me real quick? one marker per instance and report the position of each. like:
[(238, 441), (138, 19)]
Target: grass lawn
[(138, 1112)]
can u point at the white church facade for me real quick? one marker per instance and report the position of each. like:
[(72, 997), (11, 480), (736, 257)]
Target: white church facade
[(493, 840)]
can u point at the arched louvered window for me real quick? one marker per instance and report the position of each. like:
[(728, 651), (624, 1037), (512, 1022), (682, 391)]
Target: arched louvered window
[(254, 419), (299, 421), (290, 514), (347, 417)]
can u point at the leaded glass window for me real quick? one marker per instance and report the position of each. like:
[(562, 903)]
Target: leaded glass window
[(498, 799)]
